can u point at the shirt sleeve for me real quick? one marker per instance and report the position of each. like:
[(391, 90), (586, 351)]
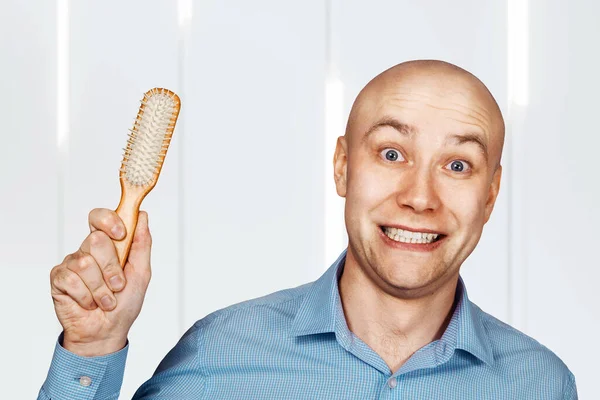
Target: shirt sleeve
[(75, 377), (571, 390), (180, 375)]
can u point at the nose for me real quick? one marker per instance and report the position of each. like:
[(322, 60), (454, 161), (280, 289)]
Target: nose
[(417, 190)]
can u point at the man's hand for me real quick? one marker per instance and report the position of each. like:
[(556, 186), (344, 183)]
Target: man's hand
[(97, 301)]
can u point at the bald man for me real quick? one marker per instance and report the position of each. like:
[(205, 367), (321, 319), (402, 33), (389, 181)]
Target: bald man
[(419, 168)]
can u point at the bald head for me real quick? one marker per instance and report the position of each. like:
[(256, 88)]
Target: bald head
[(421, 154), (436, 85)]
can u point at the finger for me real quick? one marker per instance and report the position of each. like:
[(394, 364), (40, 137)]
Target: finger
[(102, 249), (142, 239), (84, 265), (107, 221), (65, 281), (141, 247)]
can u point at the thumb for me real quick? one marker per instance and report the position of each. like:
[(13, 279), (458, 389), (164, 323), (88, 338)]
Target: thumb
[(139, 254)]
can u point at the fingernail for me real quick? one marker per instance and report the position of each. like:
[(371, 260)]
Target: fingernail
[(116, 282), (107, 302), (117, 231)]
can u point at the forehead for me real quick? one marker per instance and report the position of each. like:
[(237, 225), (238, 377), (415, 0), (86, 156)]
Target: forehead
[(438, 103)]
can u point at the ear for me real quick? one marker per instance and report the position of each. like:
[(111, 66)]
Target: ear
[(493, 193), (340, 166)]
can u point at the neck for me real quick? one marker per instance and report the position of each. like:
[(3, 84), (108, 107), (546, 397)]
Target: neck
[(394, 327)]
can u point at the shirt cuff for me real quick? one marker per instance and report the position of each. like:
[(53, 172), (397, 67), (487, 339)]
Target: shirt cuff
[(84, 378)]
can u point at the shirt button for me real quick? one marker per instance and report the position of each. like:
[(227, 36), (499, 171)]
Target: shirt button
[(85, 381), (392, 382)]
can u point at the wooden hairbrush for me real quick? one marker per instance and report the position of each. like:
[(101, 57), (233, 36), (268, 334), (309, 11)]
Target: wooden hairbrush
[(143, 158)]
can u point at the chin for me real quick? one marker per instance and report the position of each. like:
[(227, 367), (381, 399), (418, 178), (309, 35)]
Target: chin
[(408, 272), (406, 279)]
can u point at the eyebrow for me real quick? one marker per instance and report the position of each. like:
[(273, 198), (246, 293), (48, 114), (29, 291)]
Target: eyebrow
[(401, 127), (470, 138), (408, 130)]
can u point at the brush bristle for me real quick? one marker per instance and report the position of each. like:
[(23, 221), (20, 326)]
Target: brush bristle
[(149, 139)]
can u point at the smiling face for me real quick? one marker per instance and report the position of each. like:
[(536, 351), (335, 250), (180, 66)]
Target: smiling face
[(419, 168)]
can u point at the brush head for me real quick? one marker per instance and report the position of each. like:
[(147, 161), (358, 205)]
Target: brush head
[(150, 137)]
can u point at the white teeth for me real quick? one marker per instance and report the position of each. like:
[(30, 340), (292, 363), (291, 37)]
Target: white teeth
[(403, 236)]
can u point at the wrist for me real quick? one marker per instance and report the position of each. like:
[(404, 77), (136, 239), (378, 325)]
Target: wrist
[(95, 348)]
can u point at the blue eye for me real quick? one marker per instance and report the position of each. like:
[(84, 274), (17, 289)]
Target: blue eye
[(459, 166), (392, 155)]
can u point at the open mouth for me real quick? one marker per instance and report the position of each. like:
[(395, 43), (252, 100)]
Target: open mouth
[(405, 236)]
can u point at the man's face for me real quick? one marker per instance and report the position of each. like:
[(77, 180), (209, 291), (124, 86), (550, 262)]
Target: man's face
[(420, 180)]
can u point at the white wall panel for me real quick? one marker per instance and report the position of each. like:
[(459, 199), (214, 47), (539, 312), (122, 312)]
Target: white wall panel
[(28, 132), (118, 51), (254, 86), (472, 34), (28, 205), (560, 186), (29, 330)]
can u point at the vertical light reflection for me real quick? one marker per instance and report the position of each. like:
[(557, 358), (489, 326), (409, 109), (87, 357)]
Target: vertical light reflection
[(335, 232), (335, 239), (62, 111), (184, 14), (518, 100), (518, 52)]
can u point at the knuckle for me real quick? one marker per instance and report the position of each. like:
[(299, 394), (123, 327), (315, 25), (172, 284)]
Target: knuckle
[(99, 293), (113, 267), (75, 256), (71, 280), (84, 298), (83, 262), (97, 237), (87, 299), (111, 271), (54, 271)]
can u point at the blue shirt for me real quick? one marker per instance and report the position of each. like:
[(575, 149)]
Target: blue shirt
[(295, 344)]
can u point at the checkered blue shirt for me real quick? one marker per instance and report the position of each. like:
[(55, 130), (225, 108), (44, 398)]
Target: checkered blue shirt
[(295, 344)]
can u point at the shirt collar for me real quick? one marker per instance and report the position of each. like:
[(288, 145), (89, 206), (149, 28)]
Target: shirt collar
[(321, 312), (319, 308)]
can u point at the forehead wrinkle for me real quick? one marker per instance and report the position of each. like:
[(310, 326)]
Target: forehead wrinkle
[(481, 113), (474, 101), (471, 123), (482, 120)]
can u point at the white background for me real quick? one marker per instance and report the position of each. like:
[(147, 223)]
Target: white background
[(245, 202)]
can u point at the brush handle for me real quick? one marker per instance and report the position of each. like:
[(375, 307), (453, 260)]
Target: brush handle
[(128, 210)]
